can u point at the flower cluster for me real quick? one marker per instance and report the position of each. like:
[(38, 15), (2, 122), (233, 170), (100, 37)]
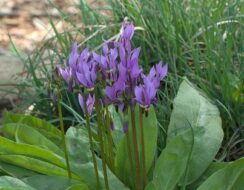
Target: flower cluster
[(116, 70)]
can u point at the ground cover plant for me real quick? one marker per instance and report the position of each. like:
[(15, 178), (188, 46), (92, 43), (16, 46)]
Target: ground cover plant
[(198, 39), (114, 145), (186, 144)]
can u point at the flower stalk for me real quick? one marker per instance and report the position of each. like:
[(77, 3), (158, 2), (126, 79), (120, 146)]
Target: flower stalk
[(109, 139), (136, 151), (92, 146), (130, 158), (60, 115), (144, 175), (100, 136)]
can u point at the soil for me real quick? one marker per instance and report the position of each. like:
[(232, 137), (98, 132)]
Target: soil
[(25, 22)]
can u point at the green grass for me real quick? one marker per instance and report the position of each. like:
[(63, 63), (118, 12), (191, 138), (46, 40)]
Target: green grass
[(202, 40)]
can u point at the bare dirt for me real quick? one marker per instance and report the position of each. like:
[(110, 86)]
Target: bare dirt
[(26, 23)]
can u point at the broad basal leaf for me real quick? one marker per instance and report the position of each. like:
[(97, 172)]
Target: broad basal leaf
[(78, 187), (171, 165), (47, 129), (11, 147), (78, 145), (15, 171), (193, 110), (230, 177), (43, 182), (86, 172), (28, 135), (150, 186), (214, 167), (36, 165), (10, 183)]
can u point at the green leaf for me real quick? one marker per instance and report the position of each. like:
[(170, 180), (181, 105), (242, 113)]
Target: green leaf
[(230, 177), (171, 164), (36, 165), (10, 183), (193, 110), (80, 154), (214, 167), (25, 134), (86, 172), (78, 145), (117, 118), (43, 182), (2, 173), (45, 128), (11, 147), (113, 180), (78, 187), (150, 186), (15, 171), (122, 162)]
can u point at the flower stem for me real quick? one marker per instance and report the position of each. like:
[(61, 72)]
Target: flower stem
[(92, 146), (100, 136), (136, 152), (130, 159), (63, 135), (110, 139), (142, 147)]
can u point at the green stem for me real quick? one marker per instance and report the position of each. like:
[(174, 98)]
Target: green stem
[(142, 147), (130, 159), (60, 115), (92, 146), (136, 152), (100, 135), (110, 139), (106, 140)]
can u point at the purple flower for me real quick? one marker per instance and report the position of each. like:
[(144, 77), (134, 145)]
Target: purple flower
[(133, 65), (114, 93), (132, 72), (145, 94), (108, 61), (128, 58), (157, 73), (125, 127), (73, 55), (66, 74), (105, 48), (89, 103), (84, 58), (73, 59), (127, 30), (119, 67), (88, 77), (86, 70)]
